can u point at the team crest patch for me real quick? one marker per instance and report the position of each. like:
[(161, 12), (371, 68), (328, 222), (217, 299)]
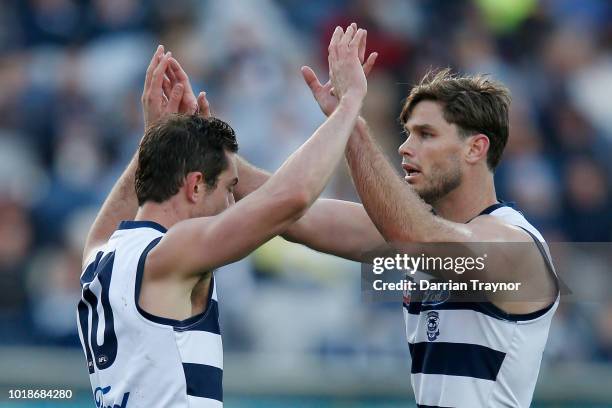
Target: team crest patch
[(433, 318)]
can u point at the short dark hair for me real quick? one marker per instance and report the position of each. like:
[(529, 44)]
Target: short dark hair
[(177, 146), (476, 104)]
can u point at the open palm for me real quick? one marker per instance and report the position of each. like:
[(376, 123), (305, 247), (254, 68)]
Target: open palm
[(324, 94)]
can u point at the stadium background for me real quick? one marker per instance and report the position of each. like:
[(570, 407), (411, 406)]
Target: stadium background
[(296, 331)]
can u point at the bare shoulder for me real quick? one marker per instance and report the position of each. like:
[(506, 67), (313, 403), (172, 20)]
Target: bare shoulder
[(488, 228), (178, 250)]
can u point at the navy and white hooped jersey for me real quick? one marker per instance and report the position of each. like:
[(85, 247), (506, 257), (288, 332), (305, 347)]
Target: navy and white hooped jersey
[(472, 354), (136, 359)]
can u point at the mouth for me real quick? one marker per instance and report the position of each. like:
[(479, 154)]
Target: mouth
[(411, 171)]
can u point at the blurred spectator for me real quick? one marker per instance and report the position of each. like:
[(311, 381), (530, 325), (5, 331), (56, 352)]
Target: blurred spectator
[(16, 238)]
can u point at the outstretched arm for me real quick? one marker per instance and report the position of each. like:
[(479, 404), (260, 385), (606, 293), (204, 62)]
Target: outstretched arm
[(336, 227), (193, 245), (385, 196)]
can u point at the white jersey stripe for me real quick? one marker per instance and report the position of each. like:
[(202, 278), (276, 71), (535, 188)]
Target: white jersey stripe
[(458, 327), (200, 347), (444, 390)]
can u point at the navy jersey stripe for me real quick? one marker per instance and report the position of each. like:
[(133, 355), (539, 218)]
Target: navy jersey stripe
[(90, 271), (209, 323), (204, 381), (141, 224), (429, 406), (467, 360), (487, 308)]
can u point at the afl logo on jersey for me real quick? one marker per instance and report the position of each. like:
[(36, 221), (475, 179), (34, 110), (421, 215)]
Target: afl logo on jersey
[(433, 319)]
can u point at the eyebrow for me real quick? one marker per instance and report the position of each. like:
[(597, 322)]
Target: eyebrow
[(420, 127)]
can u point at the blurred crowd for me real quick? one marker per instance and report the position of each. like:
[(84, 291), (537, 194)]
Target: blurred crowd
[(71, 76)]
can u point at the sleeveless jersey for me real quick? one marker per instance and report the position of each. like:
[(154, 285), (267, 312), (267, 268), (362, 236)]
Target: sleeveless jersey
[(136, 359), (472, 354)]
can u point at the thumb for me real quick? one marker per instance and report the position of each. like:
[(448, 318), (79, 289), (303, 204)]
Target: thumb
[(175, 98), (311, 79), (203, 105), (369, 64)]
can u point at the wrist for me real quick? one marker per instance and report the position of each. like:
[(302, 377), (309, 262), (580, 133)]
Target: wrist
[(352, 98), (360, 131)]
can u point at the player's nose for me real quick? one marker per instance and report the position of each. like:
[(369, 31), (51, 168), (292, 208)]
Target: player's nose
[(405, 149)]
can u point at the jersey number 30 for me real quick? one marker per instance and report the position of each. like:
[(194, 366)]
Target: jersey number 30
[(95, 282)]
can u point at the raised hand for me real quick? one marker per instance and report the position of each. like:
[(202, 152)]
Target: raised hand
[(156, 103), (345, 70), (176, 74), (189, 104), (324, 94)]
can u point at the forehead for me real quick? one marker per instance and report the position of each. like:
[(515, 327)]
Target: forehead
[(427, 113)]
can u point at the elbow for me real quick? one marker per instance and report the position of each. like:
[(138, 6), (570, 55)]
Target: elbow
[(399, 236), (299, 202), (295, 203)]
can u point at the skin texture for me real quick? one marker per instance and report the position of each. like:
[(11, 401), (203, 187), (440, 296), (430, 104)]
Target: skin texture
[(177, 271)]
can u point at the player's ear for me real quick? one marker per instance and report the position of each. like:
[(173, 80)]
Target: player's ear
[(194, 186), (477, 148)]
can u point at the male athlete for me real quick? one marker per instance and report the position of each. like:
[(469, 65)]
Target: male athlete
[(484, 353), (148, 317)]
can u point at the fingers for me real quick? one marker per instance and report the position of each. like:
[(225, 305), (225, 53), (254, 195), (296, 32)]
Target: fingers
[(158, 74), (357, 39), (311, 79), (203, 105), (175, 98), (167, 85), (336, 36), (362, 47), (348, 36), (181, 76), (153, 64), (179, 73), (369, 64), (170, 73)]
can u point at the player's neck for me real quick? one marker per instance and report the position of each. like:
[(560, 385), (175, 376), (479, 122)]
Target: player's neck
[(166, 214), (468, 200)]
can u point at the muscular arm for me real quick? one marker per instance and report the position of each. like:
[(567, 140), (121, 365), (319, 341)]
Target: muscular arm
[(201, 244), (336, 227)]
